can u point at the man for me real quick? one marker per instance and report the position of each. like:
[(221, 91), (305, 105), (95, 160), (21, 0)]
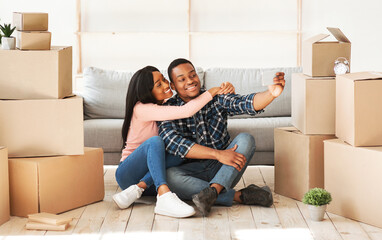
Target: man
[(213, 165)]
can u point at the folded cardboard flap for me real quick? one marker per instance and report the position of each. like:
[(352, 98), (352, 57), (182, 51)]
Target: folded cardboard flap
[(46, 227), (48, 218), (338, 34), (316, 38)]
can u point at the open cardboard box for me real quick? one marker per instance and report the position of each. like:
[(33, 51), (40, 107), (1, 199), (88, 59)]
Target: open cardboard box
[(319, 56), (299, 162)]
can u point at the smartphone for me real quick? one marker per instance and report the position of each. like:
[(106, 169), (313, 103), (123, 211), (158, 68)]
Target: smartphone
[(267, 77)]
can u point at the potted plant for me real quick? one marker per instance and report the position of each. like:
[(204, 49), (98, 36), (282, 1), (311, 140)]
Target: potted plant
[(317, 200), (7, 41)]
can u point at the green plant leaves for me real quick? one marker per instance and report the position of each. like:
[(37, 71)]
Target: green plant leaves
[(317, 197), (7, 30)]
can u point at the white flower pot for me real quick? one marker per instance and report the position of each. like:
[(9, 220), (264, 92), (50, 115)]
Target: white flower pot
[(8, 43), (317, 212)]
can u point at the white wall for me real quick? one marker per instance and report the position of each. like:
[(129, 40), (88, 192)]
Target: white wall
[(120, 20), (360, 21)]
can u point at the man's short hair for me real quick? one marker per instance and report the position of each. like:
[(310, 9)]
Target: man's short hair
[(176, 63)]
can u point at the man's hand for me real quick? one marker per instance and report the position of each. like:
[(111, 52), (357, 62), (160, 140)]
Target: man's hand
[(231, 158), (278, 85)]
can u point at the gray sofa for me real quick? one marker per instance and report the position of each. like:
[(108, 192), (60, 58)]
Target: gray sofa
[(104, 93)]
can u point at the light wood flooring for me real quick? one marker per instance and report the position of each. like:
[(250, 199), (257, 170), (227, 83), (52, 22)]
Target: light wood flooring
[(286, 219)]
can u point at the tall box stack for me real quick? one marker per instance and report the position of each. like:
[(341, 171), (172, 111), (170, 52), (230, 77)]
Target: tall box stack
[(299, 153), (41, 124), (354, 161), (32, 31)]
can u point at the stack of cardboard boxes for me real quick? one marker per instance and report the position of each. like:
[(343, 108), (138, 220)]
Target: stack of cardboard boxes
[(353, 162), (299, 150), (32, 31), (325, 106), (41, 125)]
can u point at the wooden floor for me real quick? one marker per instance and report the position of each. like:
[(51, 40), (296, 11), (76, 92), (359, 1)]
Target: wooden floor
[(286, 219)]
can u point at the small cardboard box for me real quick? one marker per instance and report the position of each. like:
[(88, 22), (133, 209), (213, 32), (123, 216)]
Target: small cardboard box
[(4, 186), (35, 40), (358, 108), (55, 184), (45, 127), (319, 57), (30, 21), (313, 104), (36, 74), (352, 176), (299, 162)]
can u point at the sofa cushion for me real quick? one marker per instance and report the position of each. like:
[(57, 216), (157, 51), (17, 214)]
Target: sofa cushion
[(104, 133), (260, 128), (248, 80), (104, 92)]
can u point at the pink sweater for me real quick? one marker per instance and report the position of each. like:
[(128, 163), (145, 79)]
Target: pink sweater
[(143, 122)]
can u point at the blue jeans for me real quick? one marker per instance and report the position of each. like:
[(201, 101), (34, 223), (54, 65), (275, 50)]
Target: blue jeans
[(191, 178), (147, 163)]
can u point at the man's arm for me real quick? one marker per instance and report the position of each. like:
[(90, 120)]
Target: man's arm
[(263, 99), (227, 156), (178, 145)]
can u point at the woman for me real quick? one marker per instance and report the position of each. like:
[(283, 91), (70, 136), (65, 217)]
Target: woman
[(144, 160)]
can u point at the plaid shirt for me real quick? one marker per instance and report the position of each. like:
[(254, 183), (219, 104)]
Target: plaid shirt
[(208, 127)]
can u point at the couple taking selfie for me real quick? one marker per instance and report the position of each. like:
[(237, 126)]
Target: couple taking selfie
[(177, 148)]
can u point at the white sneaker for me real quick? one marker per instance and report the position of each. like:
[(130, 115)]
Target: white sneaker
[(170, 205), (125, 198)]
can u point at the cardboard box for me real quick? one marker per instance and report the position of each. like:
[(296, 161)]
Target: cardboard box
[(313, 104), (4, 186), (36, 40), (318, 56), (36, 74), (30, 21), (42, 127), (299, 162), (358, 108), (352, 176), (55, 184)]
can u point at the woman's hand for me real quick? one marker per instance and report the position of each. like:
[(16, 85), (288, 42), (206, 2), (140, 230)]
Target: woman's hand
[(226, 87), (214, 91)]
